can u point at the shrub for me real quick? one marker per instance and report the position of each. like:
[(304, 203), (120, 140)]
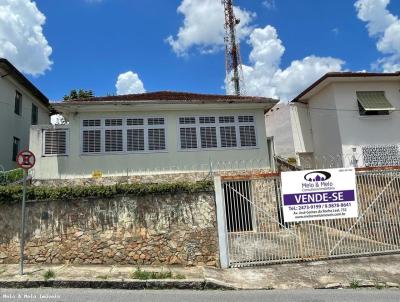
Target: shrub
[(14, 193), (49, 274)]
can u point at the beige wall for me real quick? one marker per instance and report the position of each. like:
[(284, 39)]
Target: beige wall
[(79, 165), (13, 125)]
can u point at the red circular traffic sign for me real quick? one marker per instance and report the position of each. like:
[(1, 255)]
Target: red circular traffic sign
[(26, 159)]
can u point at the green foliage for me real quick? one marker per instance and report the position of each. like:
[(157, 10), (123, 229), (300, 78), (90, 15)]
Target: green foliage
[(49, 274), (11, 176), (144, 275), (79, 94), (14, 193), (354, 284)]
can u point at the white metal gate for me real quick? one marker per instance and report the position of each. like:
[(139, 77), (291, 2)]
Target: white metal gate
[(257, 234)]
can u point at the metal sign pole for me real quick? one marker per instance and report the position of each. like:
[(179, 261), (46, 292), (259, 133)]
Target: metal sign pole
[(22, 239)]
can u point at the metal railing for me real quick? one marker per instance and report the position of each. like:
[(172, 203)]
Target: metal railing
[(257, 233)]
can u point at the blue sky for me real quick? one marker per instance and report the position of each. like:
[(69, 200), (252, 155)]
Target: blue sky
[(93, 42)]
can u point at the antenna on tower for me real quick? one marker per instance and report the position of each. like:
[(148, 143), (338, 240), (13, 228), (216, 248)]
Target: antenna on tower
[(234, 73)]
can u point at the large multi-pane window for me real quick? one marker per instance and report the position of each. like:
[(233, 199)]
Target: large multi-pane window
[(213, 132), (123, 135)]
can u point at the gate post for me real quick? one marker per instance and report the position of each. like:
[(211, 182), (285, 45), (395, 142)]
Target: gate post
[(221, 223)]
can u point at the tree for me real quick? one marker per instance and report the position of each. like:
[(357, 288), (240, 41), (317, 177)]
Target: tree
[(79, 94)]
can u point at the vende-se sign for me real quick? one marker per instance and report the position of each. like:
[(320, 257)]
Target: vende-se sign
[(319, 194)]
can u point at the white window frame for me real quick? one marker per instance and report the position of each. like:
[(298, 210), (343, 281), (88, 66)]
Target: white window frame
[(124, 128), (66, 130), (217, 125)]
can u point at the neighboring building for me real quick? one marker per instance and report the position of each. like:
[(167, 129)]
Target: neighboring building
[(21, 105), (345, 118), (160, 131)]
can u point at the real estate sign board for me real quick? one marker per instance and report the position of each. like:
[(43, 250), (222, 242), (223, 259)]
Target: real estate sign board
[(319, 194)]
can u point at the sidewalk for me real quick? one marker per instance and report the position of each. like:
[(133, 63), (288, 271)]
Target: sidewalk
[(378, 272)]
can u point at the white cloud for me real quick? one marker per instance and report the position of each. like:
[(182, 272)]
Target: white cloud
[(22, 41), (128, 83), (386, 28), (203, 26), (264, 77), (270, 4)]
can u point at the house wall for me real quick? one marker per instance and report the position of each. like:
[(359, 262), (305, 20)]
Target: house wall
[(13, 125), (356, 130), (279, 126), (78, 165), (162, 229), (324, 122)]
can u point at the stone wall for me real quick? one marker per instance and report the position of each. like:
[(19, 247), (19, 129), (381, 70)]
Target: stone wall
[(153, 229)]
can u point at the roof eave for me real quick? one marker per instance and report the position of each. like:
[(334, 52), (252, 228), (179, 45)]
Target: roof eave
[(20, 78)]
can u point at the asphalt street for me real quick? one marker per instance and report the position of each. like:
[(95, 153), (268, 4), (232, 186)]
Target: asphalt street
[(99, 295)]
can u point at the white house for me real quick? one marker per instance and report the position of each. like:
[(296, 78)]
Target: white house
[(21, 105), (160, 131), (345, 118)]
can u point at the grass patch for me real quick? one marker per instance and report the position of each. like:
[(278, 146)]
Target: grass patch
[(49, 274), (145, 275), (354, 284)]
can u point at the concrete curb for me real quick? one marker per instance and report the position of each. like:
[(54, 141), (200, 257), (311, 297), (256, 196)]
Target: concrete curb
[(195, 284)]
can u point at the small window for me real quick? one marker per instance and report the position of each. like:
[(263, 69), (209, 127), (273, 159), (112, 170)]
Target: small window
[(113, 140), (156, 139), (91, 141), (135, 121), (113, 122), (226, 119), (35, 113), (247, 136), (187, 120), (16, 142), (55, 142), (18, 103), (155, 121), (207, 120), (91, 123), (246, 119), (373, 103), (188, 138), (228, 136), (135, 140)]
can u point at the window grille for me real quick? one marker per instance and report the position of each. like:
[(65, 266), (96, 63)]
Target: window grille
[(208, 137), (187, 120), (155, 121), (135, 140), (226, 119), (113, 140), (113, 122), (228, 136), (156, 139), (91, 141), (207, 120), (188, 138), (55, 142), (246, 119), (91, 123), (135, 121), (247, 136)]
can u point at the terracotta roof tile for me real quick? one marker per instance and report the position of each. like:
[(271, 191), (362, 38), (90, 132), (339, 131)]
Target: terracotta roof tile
[(171, 96)]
